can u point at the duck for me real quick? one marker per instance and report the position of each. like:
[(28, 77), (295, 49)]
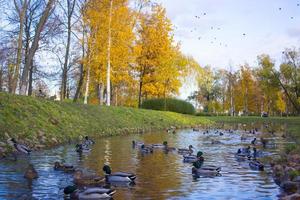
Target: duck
[(240, 156), (189, 158), (85, 180), (216, 142), (20, 147), (87, 141), (63, 167), (82, 149), (186, 151), (256, 165), (196, 129), (146, 149), (204, 172), (253, 142), (245, 150), (167, 148), (137, 143), (31, 173), (93, 193), (117, 176)]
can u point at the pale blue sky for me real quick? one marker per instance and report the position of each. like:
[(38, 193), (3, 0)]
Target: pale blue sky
[(269, 26), (267, 29)]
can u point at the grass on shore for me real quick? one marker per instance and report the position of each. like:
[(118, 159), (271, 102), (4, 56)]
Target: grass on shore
[(31, 119)]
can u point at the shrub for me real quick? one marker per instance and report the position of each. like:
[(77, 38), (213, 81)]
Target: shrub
[(290, 147), (174, 105)]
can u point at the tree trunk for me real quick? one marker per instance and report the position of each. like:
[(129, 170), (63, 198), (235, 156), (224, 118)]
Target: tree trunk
[(30, 81), (140, 92), (64, 77), (108, 55), (35, 45), (81, 68), (21, 12), (87, 86)]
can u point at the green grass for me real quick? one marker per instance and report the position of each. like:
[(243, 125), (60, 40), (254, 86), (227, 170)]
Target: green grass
[(24, 117)]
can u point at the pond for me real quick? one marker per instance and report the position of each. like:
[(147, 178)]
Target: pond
[(159, 175)]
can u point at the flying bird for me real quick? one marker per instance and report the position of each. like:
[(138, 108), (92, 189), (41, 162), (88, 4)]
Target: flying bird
[(292, 17), (244, 34), (280, 8), (204, 13)]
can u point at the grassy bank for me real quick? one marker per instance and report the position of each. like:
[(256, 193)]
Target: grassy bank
[(44, 122)]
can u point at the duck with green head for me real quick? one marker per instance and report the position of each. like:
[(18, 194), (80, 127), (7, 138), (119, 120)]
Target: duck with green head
[(117, 176), (93, 193), (200, 170)]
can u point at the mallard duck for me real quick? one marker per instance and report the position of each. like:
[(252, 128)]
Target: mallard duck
[(31, 173), (82, 149), (253, 142), (204, 172), (137, 143), (189, 158), (93, 193), (63, 167), (87, 141), (80, 179), (256, 165), (241, 156), (20, 147), (216, 142), (186, 151), (117, 176), (146, 149), (167, 148), (245, 150)]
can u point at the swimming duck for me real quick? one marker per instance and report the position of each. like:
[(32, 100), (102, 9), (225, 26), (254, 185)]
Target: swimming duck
[(81, 148), (216, 142), (253, 142), (256, 165), (146, 149), (87, 141), (117, 176), (20, 147), (196, 129), (31, 173), (137, 143), (81, 179), (93, 193), (203, 172), (245, 150), (167, 148), (63, 167), (240, 156), (186, 151)]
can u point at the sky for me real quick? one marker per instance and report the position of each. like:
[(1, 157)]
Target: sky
[(234, 32)]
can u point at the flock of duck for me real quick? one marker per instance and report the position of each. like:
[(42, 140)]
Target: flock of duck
[(97, 187)]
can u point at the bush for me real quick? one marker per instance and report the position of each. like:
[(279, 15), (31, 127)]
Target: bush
[(290, 147), (174, 105)]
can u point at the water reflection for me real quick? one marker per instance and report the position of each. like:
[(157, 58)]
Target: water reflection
[(159, 175)]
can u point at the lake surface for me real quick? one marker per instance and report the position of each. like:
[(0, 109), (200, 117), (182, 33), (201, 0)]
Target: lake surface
[(159, 175)]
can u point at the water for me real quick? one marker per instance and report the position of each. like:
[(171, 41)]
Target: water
[(159, 175)]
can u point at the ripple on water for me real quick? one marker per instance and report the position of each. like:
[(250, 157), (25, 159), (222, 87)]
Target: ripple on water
[(159, 175)]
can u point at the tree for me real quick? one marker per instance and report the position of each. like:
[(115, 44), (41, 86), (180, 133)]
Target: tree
[(35, 44)]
